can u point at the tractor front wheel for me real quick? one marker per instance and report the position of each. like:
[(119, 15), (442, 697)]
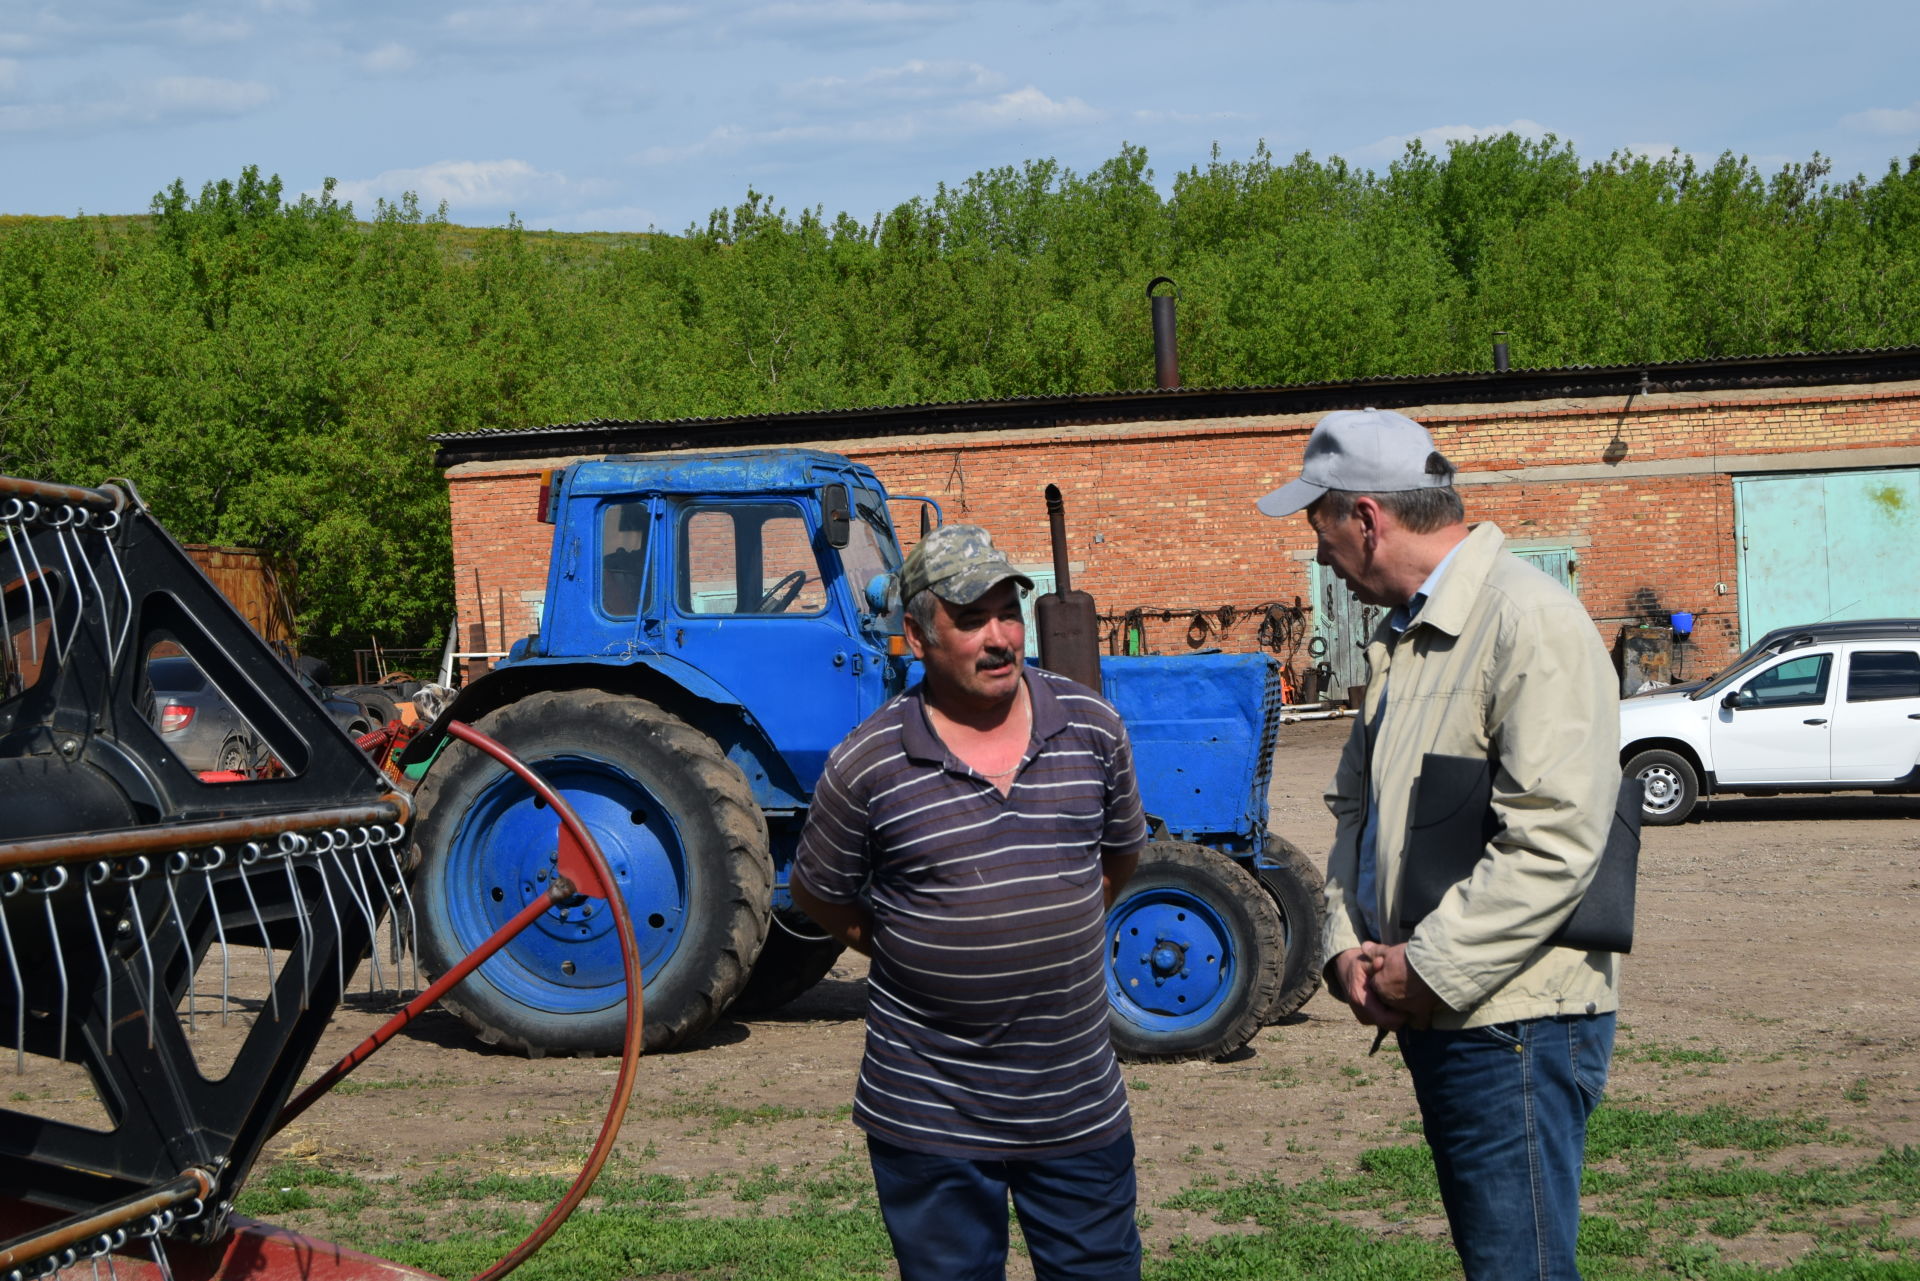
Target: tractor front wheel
[(1194, 955), (686, 842)]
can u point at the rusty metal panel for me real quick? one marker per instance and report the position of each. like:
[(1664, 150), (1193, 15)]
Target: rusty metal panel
[(249, 579)]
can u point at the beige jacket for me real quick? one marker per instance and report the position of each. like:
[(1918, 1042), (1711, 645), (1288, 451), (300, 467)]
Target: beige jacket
[(1502, 661)]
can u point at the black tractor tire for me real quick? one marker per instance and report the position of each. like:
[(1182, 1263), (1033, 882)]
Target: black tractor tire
[(625, 754), (1297, 888), (1193, 956), (797, 955), (1672, 787)]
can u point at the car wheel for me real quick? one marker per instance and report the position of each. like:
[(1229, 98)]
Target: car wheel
[(1672, 786)]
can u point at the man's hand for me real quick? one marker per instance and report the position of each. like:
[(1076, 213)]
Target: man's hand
[(1353, 983), (1397, 983)]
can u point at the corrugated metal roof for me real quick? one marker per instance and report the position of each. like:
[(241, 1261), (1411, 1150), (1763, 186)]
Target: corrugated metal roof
[(1466, 386)]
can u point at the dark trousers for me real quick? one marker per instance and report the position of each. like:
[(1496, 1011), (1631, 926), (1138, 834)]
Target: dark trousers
[(948, 1215), (1505, 1110)]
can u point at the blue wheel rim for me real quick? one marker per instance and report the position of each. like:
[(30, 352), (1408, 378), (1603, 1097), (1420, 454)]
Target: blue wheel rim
[(1170, 959), (502, 857)]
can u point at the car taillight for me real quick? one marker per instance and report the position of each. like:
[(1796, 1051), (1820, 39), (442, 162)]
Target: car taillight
[(175, 716)]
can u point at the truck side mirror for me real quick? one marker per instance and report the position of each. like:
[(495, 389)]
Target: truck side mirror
[(837, 514)]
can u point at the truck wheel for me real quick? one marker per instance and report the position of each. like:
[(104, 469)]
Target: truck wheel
[(1193, 948), (1672, 787), (678, 824), (794, 959), (1296, 887)]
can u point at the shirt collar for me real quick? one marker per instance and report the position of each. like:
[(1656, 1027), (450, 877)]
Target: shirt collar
[(1402, 616)]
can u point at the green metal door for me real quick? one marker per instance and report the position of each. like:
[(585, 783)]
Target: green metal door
[(1832, 545)]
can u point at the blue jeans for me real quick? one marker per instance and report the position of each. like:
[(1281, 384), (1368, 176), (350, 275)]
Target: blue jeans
[(948, 1215), (1505, 1109)]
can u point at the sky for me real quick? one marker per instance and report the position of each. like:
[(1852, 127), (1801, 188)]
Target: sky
[(582, 115)]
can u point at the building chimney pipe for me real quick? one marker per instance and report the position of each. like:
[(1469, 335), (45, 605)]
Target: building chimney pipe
[(1166, 349), (1499, 351)]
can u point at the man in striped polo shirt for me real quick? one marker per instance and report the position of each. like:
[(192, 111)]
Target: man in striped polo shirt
[(969, 837)]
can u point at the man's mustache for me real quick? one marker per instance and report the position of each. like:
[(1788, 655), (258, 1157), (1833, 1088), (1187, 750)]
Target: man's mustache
[(993, 658)]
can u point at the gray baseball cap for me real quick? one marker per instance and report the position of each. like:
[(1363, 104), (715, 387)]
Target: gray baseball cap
[(1363, 451), (959, 563)]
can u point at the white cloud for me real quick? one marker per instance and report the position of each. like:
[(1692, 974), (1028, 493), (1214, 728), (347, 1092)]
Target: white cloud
[(1886, 121), (914, 80), (468, 184), (853, 13), (169, 98), (388, 58), (1023, 109), (201, 96), (564, 20), (1026, 106), (1437, 138)]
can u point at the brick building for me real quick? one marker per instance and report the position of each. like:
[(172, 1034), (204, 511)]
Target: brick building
[(1749, 492)]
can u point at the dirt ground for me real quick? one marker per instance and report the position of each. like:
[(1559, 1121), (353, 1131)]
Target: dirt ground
[(1777, 932)]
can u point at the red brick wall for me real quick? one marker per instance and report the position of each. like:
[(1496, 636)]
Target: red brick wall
[(1160, 515)]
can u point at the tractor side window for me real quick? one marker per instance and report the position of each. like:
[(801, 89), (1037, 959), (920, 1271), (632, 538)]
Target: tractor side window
[(623, 557), (1800, 682), (749, 559), (1895, 674), (871, 549)]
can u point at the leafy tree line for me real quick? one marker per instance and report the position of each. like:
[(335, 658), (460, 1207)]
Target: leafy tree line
[(267, 370)]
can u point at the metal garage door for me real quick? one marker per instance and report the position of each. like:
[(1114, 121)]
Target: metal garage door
[(1828, 545)]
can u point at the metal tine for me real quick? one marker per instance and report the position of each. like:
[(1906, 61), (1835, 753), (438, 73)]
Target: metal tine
[(46, 590), (177, 864), (365, 842), (72, 530), (106, 523), (366, 911), (296, 843), (364, 899), (11, 659), (16, 536), (219, 926), (14, 883), (306, 933), (160, 1259), (255, 849), (143, 865), (97, 873), (73, 585), (392, 842), (46, 890)]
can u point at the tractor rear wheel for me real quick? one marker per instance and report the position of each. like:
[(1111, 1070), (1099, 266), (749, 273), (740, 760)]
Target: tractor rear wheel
[(1194, 948), (1296, 887), (797, 955), (686, 842)]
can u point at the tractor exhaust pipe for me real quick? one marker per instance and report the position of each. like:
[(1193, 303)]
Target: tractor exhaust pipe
[(1069, 628)]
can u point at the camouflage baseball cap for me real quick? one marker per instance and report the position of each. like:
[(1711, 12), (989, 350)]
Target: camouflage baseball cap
[(959, 563)]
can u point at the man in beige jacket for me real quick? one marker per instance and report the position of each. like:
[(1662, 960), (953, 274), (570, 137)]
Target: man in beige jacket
[(1507, 1037)]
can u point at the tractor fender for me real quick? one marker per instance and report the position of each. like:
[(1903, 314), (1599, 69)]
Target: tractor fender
[(672, 683)]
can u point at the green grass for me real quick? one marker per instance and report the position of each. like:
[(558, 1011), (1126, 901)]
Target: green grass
[(1670, 1194)]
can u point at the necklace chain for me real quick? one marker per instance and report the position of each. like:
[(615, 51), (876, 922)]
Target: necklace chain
[(1020, 759)]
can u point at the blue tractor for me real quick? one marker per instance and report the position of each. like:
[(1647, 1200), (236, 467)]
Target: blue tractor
[(714, 624)]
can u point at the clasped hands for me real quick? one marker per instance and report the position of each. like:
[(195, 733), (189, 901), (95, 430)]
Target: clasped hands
[(1381, 989)]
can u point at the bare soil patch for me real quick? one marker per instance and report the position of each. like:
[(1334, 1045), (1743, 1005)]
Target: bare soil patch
[(1773, 972)]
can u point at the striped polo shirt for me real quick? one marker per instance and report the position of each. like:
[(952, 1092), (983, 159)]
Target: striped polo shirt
[(987, 1000)]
